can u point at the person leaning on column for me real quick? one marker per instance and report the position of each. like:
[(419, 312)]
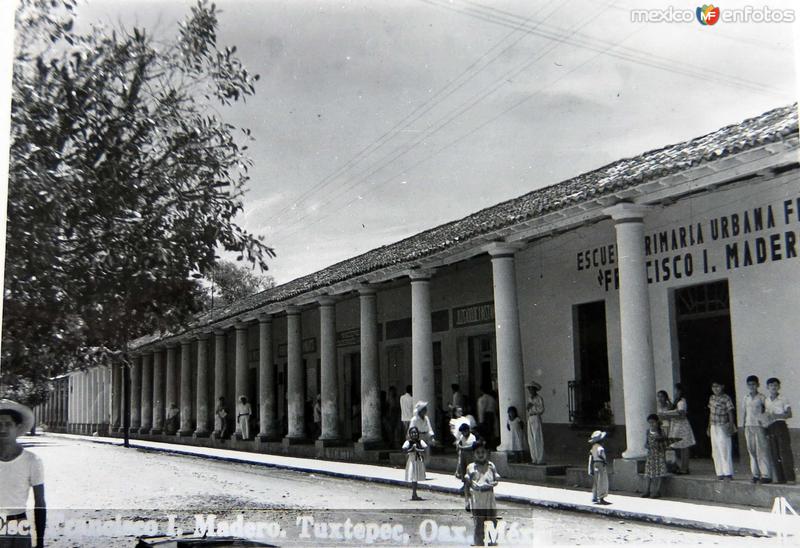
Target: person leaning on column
[(20, 471)]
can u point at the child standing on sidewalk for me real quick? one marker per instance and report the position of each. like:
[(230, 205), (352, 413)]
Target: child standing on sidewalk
[(517, 428), (415, 465), (483, 478), (465, 443), (598, 468), (755, 434), (721, 426), (655, 467)]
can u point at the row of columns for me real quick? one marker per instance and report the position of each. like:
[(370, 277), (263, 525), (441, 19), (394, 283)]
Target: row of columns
[(147, 404), (88, 405), (153, 389), (54, 411)]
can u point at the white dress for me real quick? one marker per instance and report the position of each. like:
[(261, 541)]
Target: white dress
[(535, 438), (415, 463), (517, 434)]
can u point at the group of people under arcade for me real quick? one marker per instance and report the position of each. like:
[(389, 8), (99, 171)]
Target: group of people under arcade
[(765, 431)]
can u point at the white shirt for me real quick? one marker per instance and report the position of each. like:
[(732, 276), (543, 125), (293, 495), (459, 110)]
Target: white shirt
[(754, 409), (486, 404), (421, 424), (778, 405), (17, 477), (406, 407)]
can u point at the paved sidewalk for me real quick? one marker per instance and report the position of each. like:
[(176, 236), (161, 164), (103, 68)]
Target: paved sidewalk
[(720, 519)]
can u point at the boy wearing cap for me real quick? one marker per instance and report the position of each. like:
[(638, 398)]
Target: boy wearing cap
[(20, 470), (598, 468)]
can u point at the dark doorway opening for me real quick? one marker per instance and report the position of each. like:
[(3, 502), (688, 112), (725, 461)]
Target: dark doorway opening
[(591, 391), (705, 352), (482, 368), (353, 393)]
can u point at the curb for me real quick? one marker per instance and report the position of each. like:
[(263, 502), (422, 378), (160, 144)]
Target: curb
[(697, 525)]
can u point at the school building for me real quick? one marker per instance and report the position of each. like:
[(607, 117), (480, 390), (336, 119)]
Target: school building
[(677, 265)]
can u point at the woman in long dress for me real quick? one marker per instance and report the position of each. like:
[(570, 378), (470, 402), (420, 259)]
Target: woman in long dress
[(535, 409), (680, 429), (422, 423), (243, 412)]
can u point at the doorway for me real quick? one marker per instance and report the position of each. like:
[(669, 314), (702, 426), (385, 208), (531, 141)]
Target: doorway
[(352, 394), (482, 367), (705, 353), (591, 390)]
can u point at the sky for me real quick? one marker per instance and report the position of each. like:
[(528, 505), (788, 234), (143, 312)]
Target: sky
[(376, 120)]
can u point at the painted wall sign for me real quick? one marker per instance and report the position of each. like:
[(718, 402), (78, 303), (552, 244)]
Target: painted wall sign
[(348, 337), (473, 314), (740, 239)]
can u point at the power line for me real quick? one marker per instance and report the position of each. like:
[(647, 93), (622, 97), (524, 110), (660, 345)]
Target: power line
[(417, 113), (507, 19), (457, 114), (659, 63)]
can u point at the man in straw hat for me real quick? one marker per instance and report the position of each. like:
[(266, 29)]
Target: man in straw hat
[(20, 470)]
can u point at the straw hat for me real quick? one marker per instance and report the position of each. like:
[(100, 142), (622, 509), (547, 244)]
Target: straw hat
[(597, 435), (533, 384), (24, 411), (419, 406)]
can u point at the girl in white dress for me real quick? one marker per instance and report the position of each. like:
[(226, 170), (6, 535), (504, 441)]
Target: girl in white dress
[(483, 478), (415, 464), (515, 425)]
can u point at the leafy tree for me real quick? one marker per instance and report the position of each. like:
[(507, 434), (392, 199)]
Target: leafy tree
[(229, 282), (124, 181)]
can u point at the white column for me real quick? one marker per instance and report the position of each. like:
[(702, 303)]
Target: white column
[(370, 368), (266, 381), (158, 389), (186, 389), (638, 375), (71, 408), (201, 393), (171, 380), (87, 402), (296, 375), (510, 373), (241, 370), (422, 379), (136, 393), (220, 379), (116, 398), (147, 392), (329, 378)]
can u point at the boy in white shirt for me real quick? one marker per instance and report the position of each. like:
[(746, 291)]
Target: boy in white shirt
[(20, 470), (777, 410)]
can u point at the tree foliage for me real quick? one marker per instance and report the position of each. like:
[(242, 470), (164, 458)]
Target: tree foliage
[(230, 282), (124, 182)]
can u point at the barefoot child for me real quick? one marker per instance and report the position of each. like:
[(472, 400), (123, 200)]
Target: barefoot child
[(598, 468), (483, 478), (655, 467), (465, 442), (415, 465), (517, 428)]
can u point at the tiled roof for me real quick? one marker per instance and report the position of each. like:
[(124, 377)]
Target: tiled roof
[(775, 125)]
